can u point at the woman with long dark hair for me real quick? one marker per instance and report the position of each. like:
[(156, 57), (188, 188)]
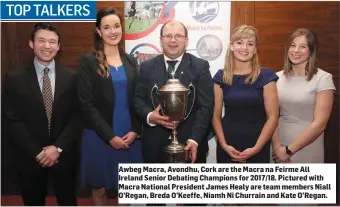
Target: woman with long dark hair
[(105, 89)]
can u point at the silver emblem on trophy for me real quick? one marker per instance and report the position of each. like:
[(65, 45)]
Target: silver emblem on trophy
[(173, 100)]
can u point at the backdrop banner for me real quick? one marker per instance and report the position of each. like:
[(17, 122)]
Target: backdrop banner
[(208, 26)]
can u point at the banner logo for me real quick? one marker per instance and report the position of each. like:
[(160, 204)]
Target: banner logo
[(209, 47), (204, 12), (144, 51)]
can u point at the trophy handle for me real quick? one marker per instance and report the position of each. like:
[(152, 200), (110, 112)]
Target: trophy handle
[(152, 90), (193, 101)]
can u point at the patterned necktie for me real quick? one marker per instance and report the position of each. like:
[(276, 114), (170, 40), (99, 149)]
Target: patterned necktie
[(47, 97), (171, 68)]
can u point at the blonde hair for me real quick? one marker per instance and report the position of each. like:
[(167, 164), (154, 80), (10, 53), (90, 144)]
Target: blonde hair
[(241, 32), (310, 69)]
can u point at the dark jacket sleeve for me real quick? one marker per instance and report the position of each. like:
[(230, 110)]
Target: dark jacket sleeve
[(91, 114), (205, 97), (13, 123), (136, 123), (140, 98), (72, 129)]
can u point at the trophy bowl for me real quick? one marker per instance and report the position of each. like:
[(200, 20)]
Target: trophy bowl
[(173, 102)]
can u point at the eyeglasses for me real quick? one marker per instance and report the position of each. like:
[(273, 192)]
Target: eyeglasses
[(177, 37)]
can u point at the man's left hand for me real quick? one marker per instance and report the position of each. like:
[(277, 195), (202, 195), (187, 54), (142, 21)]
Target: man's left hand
[(191, 151), (49, 156)]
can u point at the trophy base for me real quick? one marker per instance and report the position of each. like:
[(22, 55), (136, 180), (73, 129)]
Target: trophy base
[(174, 153)]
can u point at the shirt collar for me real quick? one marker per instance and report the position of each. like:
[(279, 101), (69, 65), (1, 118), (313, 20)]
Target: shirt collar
[(39, 68), (179, 59)]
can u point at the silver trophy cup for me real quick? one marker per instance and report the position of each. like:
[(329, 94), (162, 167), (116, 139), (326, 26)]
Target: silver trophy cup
[(173, 101)]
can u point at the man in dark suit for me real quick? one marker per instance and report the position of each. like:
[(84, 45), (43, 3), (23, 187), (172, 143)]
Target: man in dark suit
[(188, 69), (42, 121)]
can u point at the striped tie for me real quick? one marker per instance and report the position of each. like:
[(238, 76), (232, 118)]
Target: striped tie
[(47, 97)]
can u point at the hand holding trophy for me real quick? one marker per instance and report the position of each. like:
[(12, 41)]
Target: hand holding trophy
[(173, 102)]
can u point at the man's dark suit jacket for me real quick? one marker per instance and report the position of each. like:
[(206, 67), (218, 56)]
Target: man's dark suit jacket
[(97, 95), (197, 127), (25, 119)]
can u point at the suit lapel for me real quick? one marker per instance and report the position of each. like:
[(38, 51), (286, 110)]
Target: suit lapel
[(183, 67), (160, 70), (33, 80), (59, 83)]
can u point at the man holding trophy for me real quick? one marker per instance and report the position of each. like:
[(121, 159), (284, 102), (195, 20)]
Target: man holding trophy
[(174, 97)]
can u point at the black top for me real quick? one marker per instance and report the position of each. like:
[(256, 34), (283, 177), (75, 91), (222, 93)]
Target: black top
[(97, 95)]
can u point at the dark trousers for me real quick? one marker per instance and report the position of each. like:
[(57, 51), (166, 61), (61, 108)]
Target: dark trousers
[(34, 186)]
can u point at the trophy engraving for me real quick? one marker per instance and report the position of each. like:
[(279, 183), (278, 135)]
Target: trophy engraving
[(174, 100)]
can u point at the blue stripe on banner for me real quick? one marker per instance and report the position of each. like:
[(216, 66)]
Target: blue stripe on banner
[(48, 10)]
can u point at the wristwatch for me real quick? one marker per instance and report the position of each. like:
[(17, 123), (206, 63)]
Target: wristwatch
[(288, 151)]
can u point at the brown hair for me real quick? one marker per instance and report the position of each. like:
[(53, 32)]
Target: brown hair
[(241, 32), (103, 66), (46, 26), (310, 69)]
